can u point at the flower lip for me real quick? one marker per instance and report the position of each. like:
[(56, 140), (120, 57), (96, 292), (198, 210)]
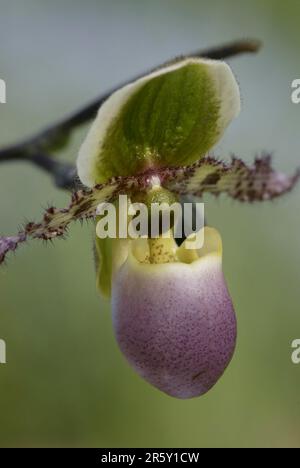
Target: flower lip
[(174, 322)]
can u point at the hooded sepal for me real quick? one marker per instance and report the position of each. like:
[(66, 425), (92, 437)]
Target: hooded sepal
[(170, 117)]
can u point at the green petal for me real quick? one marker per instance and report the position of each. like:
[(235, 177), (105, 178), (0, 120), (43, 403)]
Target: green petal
[(103, 254), (110, 256), (168, 118), (259, 182)]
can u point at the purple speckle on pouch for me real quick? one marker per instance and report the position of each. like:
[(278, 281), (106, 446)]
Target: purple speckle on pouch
[(175, 324)]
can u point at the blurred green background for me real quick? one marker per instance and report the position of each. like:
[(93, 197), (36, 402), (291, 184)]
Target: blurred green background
[(66, 383)]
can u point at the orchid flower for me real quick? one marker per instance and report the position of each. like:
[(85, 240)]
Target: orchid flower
[(172, 313)]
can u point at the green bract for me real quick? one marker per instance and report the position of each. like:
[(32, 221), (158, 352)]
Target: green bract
[(170, 117)]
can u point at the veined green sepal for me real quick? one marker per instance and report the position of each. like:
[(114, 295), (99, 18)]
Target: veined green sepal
[(170, 117)]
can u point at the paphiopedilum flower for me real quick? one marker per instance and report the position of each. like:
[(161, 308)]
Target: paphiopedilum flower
[(172, 313)]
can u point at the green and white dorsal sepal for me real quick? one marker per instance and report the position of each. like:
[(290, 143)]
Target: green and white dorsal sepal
[(170, 117)]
